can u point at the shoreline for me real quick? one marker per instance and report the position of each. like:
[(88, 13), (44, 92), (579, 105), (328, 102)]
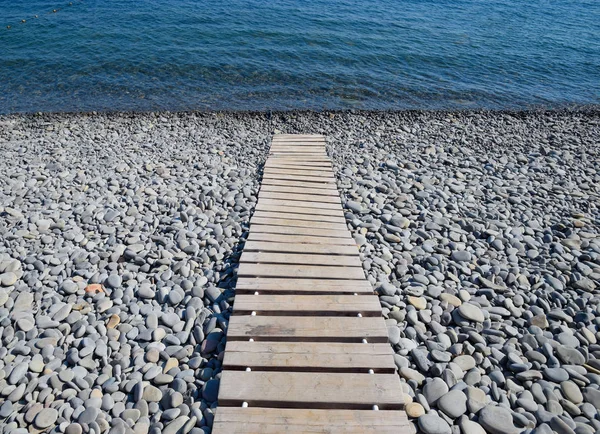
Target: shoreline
[(479, 230), (591, 109)]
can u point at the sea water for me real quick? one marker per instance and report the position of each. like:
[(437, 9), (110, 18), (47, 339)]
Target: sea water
[(125, 55)]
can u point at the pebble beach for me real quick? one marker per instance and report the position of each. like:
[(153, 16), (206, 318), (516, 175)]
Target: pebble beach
[(120, 235)]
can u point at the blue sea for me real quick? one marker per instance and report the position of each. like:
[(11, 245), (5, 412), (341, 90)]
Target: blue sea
[(125, 55)]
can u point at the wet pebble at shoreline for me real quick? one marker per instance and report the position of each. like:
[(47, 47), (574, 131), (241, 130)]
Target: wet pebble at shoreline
[(119, 240), (481, 235)]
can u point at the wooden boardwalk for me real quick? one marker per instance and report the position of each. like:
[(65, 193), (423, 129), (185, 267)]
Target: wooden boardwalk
[(307, 348)]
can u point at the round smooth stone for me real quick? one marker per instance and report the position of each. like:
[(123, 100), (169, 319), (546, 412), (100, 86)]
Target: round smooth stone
[(46, 418)]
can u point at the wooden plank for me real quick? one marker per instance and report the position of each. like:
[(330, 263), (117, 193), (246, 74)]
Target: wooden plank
[(313, 305), (329, 192), (306, 328), (313, 179), (300, 258), (288, 183), (278, 162), (283, 211), (298, 223), (302, 286), (298, 167), (318, 249), (300, 158), (300, 172), (311, 390), (254, 420), (291, 230), (316, 356), (299, 197), (301, 203), (299, 140), (306, 152), (296, 136), (306, 217), (298, 146), (300, 239), (300, 271)]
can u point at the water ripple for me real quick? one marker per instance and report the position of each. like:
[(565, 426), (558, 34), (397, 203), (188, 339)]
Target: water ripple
[(290, 54)]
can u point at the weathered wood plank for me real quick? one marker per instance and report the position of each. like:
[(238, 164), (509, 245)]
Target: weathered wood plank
[(299, 140), (254, 420), (305, 153), (300, 258), (298, 147), (297, 223), (315, 356), (300, 271), (300, 239), (339, 219), (299, 197), (285, 210), (280, 163), (303, 178), (318, 249), (288, 183), (301, 203), (328, 192), (311, 389), (291, 230), (313, 305), (307, 158), (318, 173), (302, 286), (306, 328)]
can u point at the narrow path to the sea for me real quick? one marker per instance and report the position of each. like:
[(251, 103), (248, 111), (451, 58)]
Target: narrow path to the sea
[(307, 346)]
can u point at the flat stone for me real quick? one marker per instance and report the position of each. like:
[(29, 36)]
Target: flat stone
[(418, 302), (171, 363), (556, 375), (453, 403), (8, 279), (411, 374), (46, 418), (414, 409), (592, 396), (471, 312), (6, 409), (152, 394), (18, 373), (210, 390), (461, 256), (433, 424), (497, 420), (465, 362), (113, 281), (571, 392), (89, 415), (451, 299), (174, 426), (113, 321), (569, 356), (393, 334), (434, 390), (73, 428), (470, 427)]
